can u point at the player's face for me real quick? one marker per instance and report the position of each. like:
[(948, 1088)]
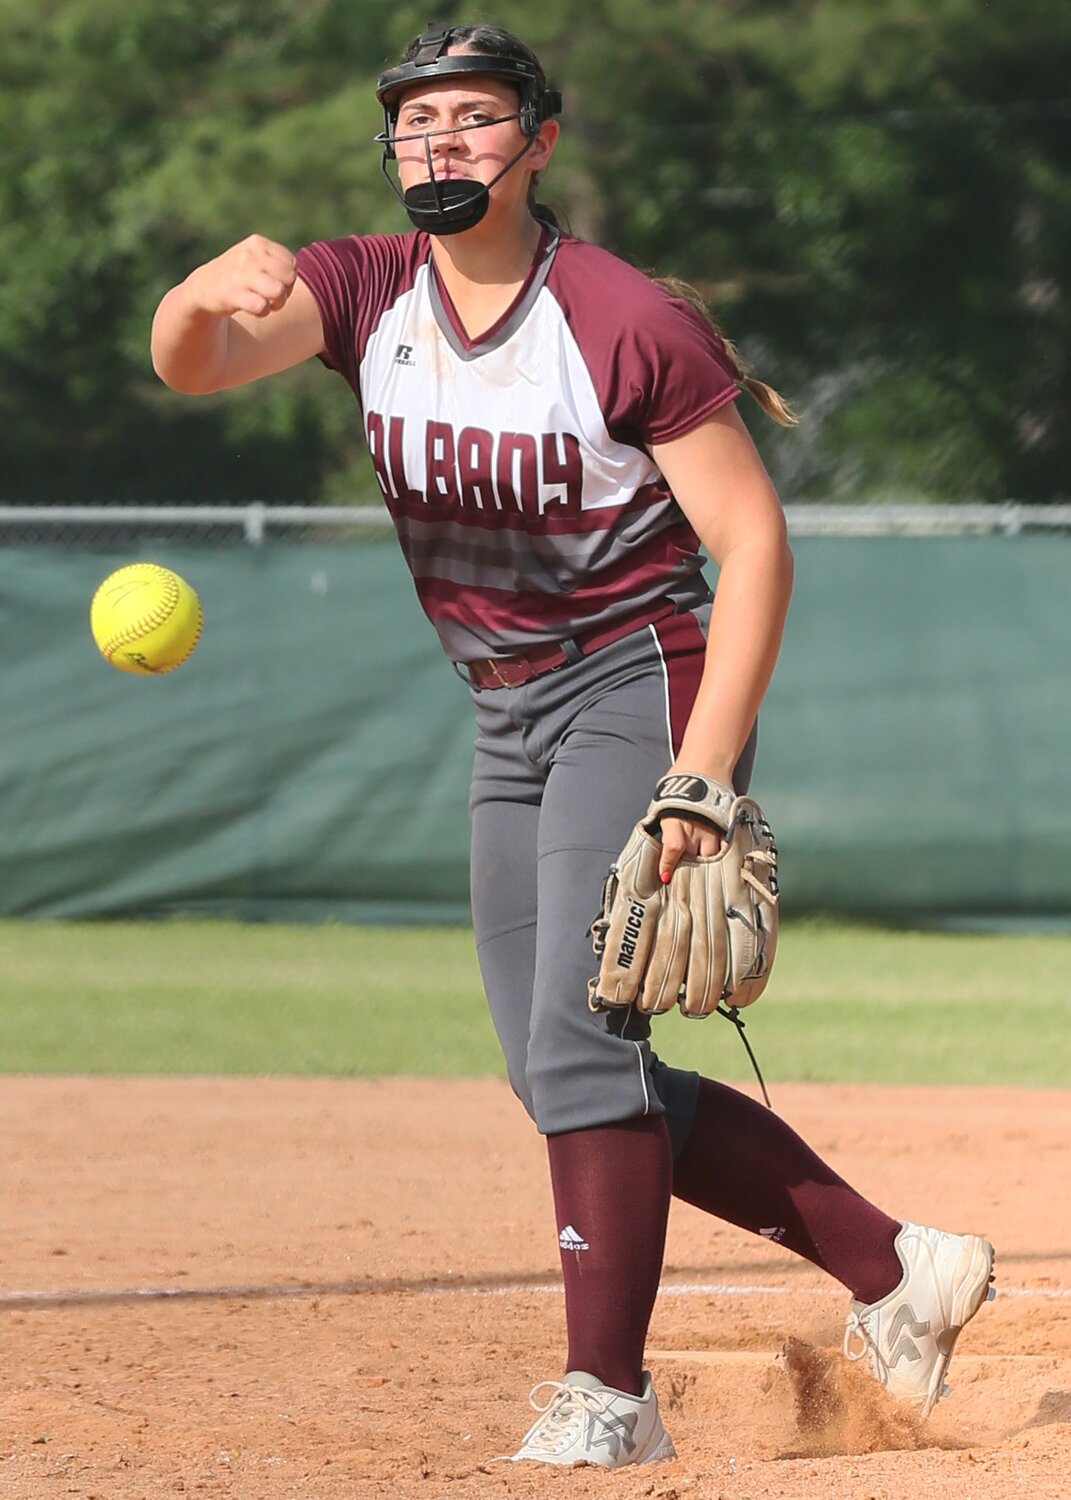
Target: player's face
[(441, 111)]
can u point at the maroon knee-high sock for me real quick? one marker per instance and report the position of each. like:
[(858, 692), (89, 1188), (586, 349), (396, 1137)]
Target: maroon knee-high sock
[(744, 1164), (611, 1194)]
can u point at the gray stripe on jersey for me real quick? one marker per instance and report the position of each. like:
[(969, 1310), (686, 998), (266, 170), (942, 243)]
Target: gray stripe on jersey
[(510, 559)]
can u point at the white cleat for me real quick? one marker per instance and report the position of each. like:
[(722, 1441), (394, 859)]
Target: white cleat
[(583, 1422), (908, 1337)]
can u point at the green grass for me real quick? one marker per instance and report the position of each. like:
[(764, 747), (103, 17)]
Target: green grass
[(191, 996)]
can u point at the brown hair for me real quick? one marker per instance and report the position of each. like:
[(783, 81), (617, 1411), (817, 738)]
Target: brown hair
[(772, 403)]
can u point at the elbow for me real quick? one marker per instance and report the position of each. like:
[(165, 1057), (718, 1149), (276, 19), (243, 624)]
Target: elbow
[(778, 562), (186, 387), (787, 568), (186, 381), (779, 546), (162, 372), (773, 539), (181, 356)]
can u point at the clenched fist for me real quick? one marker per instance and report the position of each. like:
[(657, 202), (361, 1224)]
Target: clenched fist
[(256, 276)]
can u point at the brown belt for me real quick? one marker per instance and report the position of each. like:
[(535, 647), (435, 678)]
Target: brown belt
[(513, 671)]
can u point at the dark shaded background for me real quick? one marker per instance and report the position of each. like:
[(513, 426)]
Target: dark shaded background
[(875, 199)]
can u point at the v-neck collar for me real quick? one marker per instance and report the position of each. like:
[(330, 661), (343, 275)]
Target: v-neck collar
[(451, 326)]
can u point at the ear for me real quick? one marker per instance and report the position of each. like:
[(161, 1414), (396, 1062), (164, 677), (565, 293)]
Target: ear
[(543, 143)]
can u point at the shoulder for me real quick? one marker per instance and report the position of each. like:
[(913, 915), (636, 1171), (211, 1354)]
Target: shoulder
[(590, 282), (585, 270), (355, 281), (659, 366), (603, 296), (361, 256)]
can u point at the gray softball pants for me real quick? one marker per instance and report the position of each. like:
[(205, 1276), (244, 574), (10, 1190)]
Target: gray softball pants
[(564, 767)]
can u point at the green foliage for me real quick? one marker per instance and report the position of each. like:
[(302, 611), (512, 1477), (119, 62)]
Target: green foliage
[(846, 1003), (877, 199)]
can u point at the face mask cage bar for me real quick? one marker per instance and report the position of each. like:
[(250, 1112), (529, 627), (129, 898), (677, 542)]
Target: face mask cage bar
[(451, 205)]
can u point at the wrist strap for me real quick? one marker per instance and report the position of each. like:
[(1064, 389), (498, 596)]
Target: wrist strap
[(687, 796)]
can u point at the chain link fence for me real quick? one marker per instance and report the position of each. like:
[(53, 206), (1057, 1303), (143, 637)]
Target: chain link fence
[(253, 524)]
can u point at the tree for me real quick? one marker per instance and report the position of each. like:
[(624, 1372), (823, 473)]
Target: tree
[(876, 200)]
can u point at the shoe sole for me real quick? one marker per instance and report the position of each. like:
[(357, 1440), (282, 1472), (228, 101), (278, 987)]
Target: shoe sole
[(973, 1287)]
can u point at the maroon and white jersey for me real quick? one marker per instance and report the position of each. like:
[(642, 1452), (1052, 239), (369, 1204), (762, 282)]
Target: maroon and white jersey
[(517, 468)]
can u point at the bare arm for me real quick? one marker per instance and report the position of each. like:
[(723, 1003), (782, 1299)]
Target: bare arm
[(722, 486), (236, 318)]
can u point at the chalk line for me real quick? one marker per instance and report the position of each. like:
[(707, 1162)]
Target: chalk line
[(102, 1296)]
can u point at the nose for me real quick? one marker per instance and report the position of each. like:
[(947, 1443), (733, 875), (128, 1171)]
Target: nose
[(446, 141)]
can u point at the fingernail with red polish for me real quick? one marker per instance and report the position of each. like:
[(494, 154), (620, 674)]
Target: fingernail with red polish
[(665, 876)]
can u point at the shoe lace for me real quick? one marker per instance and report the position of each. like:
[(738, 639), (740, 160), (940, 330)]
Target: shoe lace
[(858, 1343), (563, 1412)]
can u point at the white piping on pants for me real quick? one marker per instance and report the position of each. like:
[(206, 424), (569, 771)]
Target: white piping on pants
[(643, 1079), (665, 678)]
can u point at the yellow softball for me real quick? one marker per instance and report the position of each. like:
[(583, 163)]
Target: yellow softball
[(145, 619)]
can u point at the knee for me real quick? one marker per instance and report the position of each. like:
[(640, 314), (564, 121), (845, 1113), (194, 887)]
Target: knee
[(571, 1096), (523, 1090), (543, 1091)]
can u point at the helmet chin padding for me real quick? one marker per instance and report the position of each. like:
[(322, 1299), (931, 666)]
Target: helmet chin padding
[(448, 207), (454, 205)]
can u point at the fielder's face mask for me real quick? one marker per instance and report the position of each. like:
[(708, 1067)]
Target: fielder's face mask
[(451, 205)]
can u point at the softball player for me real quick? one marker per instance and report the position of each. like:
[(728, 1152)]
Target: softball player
[(556, 439)]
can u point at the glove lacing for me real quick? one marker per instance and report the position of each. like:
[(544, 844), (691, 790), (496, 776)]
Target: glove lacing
[(768, 892)]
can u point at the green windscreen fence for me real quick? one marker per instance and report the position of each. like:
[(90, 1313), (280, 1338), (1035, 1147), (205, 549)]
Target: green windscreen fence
[(311, 759)]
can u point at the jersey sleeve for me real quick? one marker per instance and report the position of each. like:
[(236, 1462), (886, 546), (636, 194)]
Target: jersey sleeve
[(353, 281), (677, 371), (659, 367)]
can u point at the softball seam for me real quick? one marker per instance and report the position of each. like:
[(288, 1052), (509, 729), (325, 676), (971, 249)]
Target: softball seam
[(153, 619), (159, 671)]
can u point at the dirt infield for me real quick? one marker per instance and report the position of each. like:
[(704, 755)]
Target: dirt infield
[(303, 1290)]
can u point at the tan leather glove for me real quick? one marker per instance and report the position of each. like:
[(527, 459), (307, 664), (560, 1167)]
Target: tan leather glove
[(707, 936)]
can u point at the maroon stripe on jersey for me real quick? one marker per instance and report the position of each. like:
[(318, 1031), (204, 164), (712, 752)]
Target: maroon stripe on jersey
[(683, 647), (506, 610), (490, 518)]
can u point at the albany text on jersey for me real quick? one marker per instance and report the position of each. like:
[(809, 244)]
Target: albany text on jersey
[(517, 467)]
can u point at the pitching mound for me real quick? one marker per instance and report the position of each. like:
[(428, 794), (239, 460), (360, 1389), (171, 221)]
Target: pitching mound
[(333, 1290)]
